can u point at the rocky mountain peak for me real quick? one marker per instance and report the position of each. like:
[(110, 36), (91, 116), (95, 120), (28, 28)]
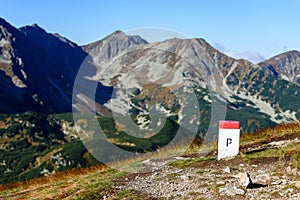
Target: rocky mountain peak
[(3, 22), (286, 65), (118, 32), (43, 39), (184, 47), (5, 29), (120, 35), (292, 53), (118, 38), (36, 26), (114, 44)]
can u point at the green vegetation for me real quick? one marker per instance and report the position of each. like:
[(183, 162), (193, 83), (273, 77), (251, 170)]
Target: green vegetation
[(281, 94), (68, 117), (289, 152), (202, 171), (266, 153), (296, 160), (251, 119), (95, 187), (34, 144), (138, 144)]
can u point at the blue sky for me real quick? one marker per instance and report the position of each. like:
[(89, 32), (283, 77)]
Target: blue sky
[(237, 26)]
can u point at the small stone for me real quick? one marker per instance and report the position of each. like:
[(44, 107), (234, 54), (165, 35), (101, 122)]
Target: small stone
[(294, 172), (278, 182), (282, 194), (146, 161), (231, 191), (264, 179), (289, 170), (221, 190), (184, 177), (239, 191), (278, 144), (220, 183), (297, 184), (155, 174), (284, 182), (227, 169), (178, 171)]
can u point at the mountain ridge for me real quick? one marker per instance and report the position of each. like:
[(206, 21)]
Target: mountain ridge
[(41, 67), (62, 58), (112, 45), (205, 65), (286, 65)]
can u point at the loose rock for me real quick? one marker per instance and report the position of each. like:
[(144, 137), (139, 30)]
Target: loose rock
[(231, 191), (227, 169)]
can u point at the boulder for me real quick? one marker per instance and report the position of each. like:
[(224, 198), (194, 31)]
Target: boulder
[(245, 180)]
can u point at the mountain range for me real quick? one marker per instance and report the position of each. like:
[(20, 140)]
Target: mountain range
[(186, 80), (38, 72)]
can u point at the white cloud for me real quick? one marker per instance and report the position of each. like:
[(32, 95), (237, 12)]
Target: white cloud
[(219, 46), (252, 56), (248, 55)]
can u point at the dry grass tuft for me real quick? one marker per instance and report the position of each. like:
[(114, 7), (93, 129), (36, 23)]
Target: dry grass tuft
[(58, 176), (266, 135)]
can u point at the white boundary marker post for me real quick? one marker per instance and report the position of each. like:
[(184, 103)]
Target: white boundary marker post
[(229, 139)]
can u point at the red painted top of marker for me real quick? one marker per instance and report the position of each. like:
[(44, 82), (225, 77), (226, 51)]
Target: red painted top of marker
[(229, 124)]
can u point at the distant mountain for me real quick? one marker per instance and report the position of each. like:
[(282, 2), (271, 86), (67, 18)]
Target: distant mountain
[(253, 94), (14, 92), (38, 70), (111, 46), (285, 65), (114, 44)]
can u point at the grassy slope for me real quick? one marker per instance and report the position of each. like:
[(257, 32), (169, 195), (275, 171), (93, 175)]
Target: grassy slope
[(31, 142), (92, 183)]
